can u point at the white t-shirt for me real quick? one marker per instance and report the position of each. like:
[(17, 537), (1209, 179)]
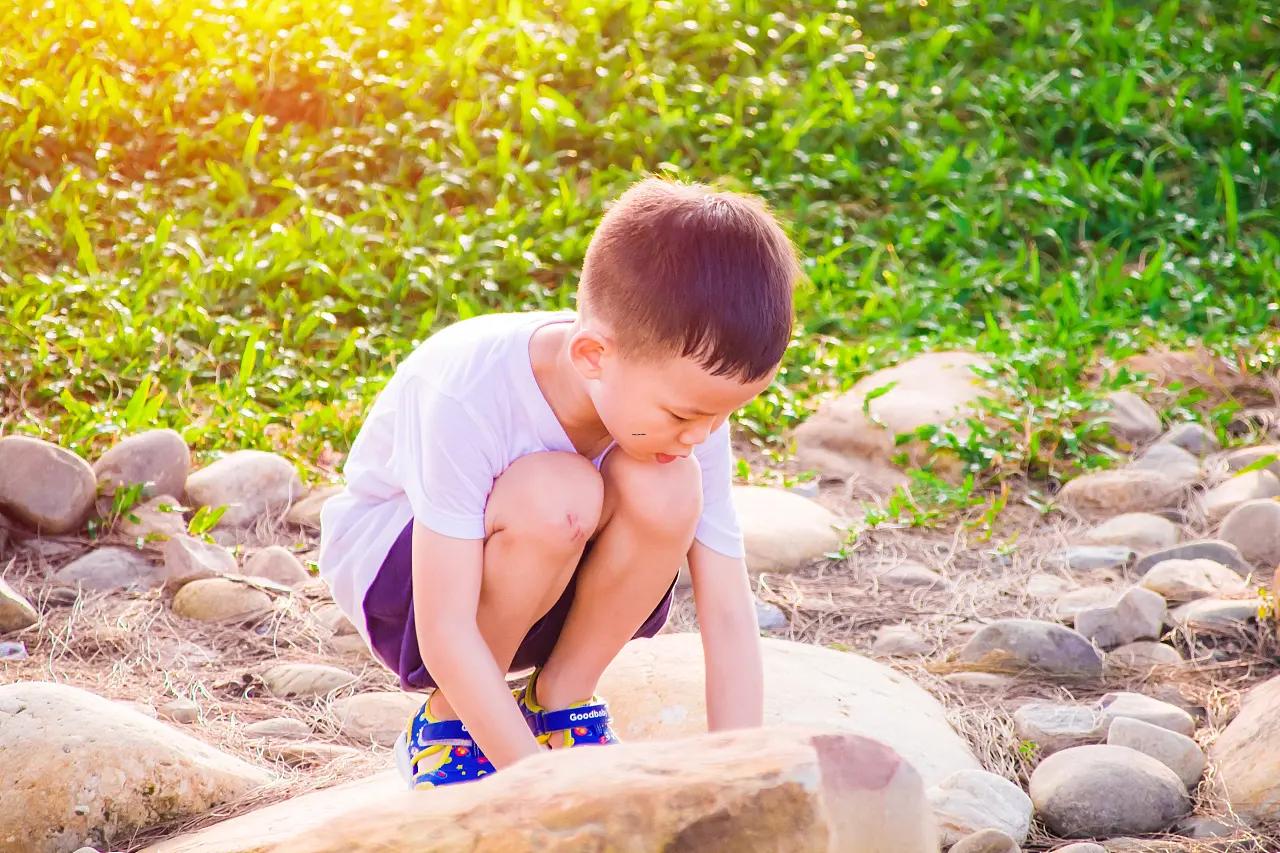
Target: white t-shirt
[(459, 410)]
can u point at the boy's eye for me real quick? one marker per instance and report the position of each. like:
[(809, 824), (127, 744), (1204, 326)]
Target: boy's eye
[(677, 417)]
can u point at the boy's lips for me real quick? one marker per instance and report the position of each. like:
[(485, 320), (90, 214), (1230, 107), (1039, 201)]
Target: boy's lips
[(664, 458)]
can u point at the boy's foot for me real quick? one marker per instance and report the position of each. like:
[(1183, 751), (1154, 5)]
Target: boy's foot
[(583, 723), (431, 752)]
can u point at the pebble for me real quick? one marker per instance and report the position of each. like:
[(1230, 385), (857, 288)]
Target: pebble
[(157, 519), (1240, 489), (1081, 847), (1138, 615), (1054, 726), (1254, 528), (1104, 493), (306, 512), (1143, 655), (1200, 549), (1191, 437), (970, 801), (305, 680), (277, 564), (278, 727), (180, 710), (220, 600), (1139, 707), (1100, 791), (44, 486), (980, 680), (1173, 462), (1211, 615), (188, 559), (331, 616), (375, 717), (1187, 580), (769, 616), (1141, 531), (1047, 586), (1131, 417), (909, 575), (14, 650), (1029, 643), (1077, 601), (1246, 456), (900, 641), (986, 841), (110, 569), (1178, 752), (16, 613), (1087, 558), (251, 484), (159, 458)]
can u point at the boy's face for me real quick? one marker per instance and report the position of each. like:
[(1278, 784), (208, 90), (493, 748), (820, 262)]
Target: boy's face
[(659, 409)]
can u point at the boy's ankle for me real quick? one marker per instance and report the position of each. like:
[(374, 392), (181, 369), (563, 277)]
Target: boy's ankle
[(439, 708)]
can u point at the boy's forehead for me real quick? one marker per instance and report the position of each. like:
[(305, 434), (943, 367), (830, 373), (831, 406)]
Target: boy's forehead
[(688, 384)]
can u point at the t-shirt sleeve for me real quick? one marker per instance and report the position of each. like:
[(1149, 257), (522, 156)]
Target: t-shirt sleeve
[(718, 528), (445, 458)]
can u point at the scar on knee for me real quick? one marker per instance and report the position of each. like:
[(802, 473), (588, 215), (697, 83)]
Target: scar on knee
[(575, 527)]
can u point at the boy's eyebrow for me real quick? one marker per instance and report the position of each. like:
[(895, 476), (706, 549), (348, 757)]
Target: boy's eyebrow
[(696, 412)]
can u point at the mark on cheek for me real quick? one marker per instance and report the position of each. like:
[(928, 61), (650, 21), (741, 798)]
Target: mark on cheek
[(638, 433)]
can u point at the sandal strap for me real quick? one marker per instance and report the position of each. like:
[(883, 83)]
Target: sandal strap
[(444, 731), (593, 716)]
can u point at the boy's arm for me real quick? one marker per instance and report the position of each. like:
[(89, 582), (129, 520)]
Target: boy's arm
[(446, 595), (730, 639)]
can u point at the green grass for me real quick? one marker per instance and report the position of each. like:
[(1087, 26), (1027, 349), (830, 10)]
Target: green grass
[(235, 218)]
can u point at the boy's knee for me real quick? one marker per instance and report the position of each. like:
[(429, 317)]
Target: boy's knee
[(662, 498), (551, 498)]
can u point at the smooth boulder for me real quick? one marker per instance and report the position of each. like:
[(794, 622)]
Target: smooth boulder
[(1138, 615), (277, 563), (1141, 531), (1100, 791), (1106, 493), (220, 600), (80, 768), (305, 680), (754, 789), (969, 801), (251, 484), (1247, 755), (188, 559), (110, 569), (44, 486), (1187, 580), (1254, 528), (159, 459), (1176, 751), (1055, 726), (16, 612), (782, 531), (1219, 501), (656, 689), (1199, 549)]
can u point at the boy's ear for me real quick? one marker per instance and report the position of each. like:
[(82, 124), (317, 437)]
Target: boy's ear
[(586, 351)]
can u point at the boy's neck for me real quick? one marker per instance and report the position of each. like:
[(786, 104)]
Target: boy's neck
[(564, 390)]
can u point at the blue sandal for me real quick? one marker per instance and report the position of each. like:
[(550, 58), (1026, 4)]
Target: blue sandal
[(431, 753), (584, 723)]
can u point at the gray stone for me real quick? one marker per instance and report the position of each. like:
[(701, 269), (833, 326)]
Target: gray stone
[(305, 680), (1214, 615), (155, 520), (1178, 752), (277, 564), (783, 531), (189, 559), (1053, 726), (306, 512), (770, 617), (1138, 615), (1200, 549), (1028, 643), (970, 801), (1105, 493), (1200, 827), (180, 710), (16, 612), (1043, 585), (251, 484), (278, 727), (159, 458), (1254, 528), (220, 600), (1191, 437), (1240, 489), (109, 569), (1103, 791), (1247, 456), (1077, 601), (900, 641), (980, 681), (375, 717), (1141, 531), (986, 841), (1144, 655), (1131, 417), (44, 486), (908, 575), (1187, 580), (332, 617), (1139, 707), (1087, 558), (1173, 462)]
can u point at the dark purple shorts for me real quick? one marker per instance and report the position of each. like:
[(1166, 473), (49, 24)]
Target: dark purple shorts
[(388, 611)]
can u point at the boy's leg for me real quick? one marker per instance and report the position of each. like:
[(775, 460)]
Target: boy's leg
[(647, 526), (540, 514)]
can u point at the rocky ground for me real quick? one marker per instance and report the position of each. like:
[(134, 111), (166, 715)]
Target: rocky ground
[(1104, 671)]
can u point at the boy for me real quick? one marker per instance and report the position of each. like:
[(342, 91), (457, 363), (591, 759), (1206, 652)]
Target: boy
[(527, 485)]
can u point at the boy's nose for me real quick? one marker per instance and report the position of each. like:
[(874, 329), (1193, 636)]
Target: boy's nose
[(696, 434)]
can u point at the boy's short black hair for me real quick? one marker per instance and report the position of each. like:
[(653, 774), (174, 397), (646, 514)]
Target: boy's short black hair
[(683, 269)]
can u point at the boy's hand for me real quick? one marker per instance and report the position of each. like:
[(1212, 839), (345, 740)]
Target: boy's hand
[(446, 595), (730, 639)]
